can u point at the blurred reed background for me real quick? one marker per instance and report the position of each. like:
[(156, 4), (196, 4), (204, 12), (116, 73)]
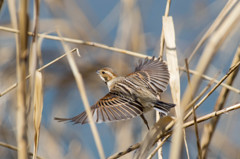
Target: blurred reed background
[(118, 34)]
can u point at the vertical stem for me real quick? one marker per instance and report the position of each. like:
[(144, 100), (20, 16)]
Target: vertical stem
[(21, 90)]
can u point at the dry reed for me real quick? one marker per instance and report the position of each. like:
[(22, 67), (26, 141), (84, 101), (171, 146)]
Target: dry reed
[(81, 88), (172, 60), (22, 138)]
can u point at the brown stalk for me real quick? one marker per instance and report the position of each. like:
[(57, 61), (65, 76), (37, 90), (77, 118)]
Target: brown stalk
[(210, 127), (196, 130), (22, 139), (197, 134), (1, 3)]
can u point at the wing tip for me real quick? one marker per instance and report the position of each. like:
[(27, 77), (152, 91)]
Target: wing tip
[(72, 120), (60, 119), (148, 60)]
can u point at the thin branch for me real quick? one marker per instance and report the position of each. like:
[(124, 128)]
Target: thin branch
[(22, 56), (15, 148), (76, 41), (185, 125), (196, 132), (216, 40), (210, 127), (40, 69), (136, 54), (184, 131), (162, 40), (200, 94), (212, 90), (213, 114), (75, 49), (130, 149), (211, 79), (159, 146), (230, 4), (83, 94)]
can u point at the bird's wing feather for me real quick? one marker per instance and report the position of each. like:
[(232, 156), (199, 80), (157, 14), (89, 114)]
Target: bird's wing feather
[(109, 108), (153, 73)]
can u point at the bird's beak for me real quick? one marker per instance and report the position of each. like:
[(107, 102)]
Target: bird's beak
[(98, 72)]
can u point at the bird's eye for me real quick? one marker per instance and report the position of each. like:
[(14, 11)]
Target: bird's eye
[(103, 72)]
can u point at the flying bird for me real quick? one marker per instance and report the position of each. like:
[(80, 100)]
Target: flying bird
[(131, 95)]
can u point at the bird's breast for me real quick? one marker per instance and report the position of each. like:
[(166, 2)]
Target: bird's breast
[(112, 83)]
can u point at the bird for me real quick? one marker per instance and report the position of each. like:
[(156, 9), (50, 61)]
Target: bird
[(131, 95)]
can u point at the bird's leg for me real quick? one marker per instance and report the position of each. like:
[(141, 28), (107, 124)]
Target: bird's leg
[(144, 120)]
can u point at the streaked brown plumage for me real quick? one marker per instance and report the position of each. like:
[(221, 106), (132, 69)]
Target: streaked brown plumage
[(132, 95)]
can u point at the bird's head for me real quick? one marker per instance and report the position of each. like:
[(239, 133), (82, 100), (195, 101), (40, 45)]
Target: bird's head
[(106, 74)]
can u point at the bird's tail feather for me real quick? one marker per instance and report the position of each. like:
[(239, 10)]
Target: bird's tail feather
[(163, 107)]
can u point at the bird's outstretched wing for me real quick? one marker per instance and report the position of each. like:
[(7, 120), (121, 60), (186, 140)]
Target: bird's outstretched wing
[(109, 108), (153, 73)]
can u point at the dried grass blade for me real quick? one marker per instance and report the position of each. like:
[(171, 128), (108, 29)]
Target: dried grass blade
[(212, 90), (158, 147), (33, 54), (150, 139), (1, 3), (197, 134), (38, 107), (172, 61), (162, 40), (40, 69), (210, 50), (194, 116), (81, 88), (137, 145), (210, 127), (193, 102), (211, 79), (230, 4)]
